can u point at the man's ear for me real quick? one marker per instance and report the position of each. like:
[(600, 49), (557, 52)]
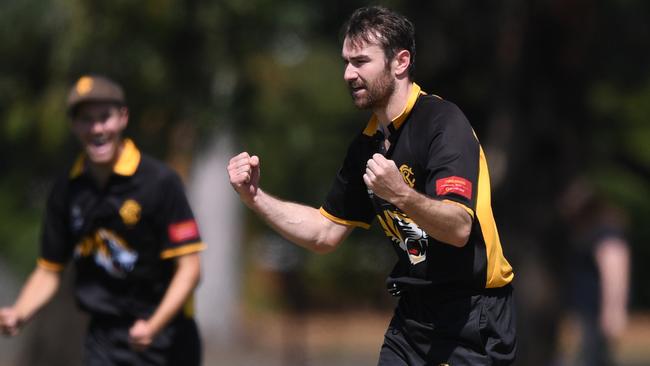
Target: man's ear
[(402, 61)]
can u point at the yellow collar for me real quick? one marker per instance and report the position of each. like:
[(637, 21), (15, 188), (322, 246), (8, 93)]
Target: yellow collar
[(397, 122), (126, 164)]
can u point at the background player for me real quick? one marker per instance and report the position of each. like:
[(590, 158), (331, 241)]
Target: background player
[(124, 220), (597, 269)]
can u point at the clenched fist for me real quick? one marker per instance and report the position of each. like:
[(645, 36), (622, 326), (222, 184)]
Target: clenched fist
[(384, 179), (141, 335), (244, 173), (10, 322)]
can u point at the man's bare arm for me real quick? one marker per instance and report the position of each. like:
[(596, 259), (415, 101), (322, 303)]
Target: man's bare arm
[(298, 223), (445, 221), (39, 289)]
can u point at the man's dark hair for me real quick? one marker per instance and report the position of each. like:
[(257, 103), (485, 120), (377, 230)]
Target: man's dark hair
[(393, 32)]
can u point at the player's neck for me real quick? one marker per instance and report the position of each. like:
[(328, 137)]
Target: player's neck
[(396, 103)]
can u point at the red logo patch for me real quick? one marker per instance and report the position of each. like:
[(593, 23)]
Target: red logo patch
[(183, 231), (457, 185)]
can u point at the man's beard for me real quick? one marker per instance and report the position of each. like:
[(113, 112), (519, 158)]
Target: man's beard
[(377, 92)]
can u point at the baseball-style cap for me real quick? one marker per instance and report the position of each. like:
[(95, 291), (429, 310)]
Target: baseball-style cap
[(94, 88)]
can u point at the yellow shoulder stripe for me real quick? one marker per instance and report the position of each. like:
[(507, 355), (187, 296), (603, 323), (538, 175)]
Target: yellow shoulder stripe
[(50, 266), (469, 210), (343, 221), (185, 249)]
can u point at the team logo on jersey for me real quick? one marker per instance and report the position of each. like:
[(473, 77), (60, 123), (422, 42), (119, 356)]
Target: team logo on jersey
[(130, 212), (405, 233), (109, 251), (407, 174)]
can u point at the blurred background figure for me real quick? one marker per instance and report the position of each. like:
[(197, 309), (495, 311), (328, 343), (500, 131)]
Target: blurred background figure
[(123, 220), (598, 269)]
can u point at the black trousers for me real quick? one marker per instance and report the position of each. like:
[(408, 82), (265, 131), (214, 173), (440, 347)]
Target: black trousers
[(106, 344), (468, 330)]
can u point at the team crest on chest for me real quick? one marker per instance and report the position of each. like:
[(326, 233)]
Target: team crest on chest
[(407, 174), (130, 212)]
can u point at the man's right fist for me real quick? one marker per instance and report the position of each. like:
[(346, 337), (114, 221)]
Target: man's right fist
[(244, 173), (10, 322)]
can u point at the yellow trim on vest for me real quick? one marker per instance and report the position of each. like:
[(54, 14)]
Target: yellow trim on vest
[(129, 159), (410, 102), (50, 266), (126, 164), (185, 249), (343, 221), (499, 271), (371, 127), (188, 307), (469, 210), (397, 122), (78, 167)]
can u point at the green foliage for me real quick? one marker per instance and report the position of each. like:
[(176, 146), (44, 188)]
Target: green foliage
[(624, 113), (20, 211), (622, 171), (355, 272), (305, 112)]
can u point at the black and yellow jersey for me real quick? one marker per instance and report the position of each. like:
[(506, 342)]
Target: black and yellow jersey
[(120, 237), (438, 154)]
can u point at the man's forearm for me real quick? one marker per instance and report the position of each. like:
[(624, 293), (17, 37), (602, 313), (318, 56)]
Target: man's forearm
[(613, 260), (37, 291), (180, 289), (300, 224), (444, 221)]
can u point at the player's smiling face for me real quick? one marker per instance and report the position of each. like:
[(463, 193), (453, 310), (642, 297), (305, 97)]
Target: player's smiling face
[(99, 126), (367, 73)]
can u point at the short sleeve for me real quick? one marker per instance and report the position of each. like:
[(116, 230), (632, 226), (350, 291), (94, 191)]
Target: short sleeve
[(453, 155), (56, 247), (348, 202), (181, 229)]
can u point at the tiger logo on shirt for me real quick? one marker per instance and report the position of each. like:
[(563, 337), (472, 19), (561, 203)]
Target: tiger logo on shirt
[(109, 251), (405, 233)]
